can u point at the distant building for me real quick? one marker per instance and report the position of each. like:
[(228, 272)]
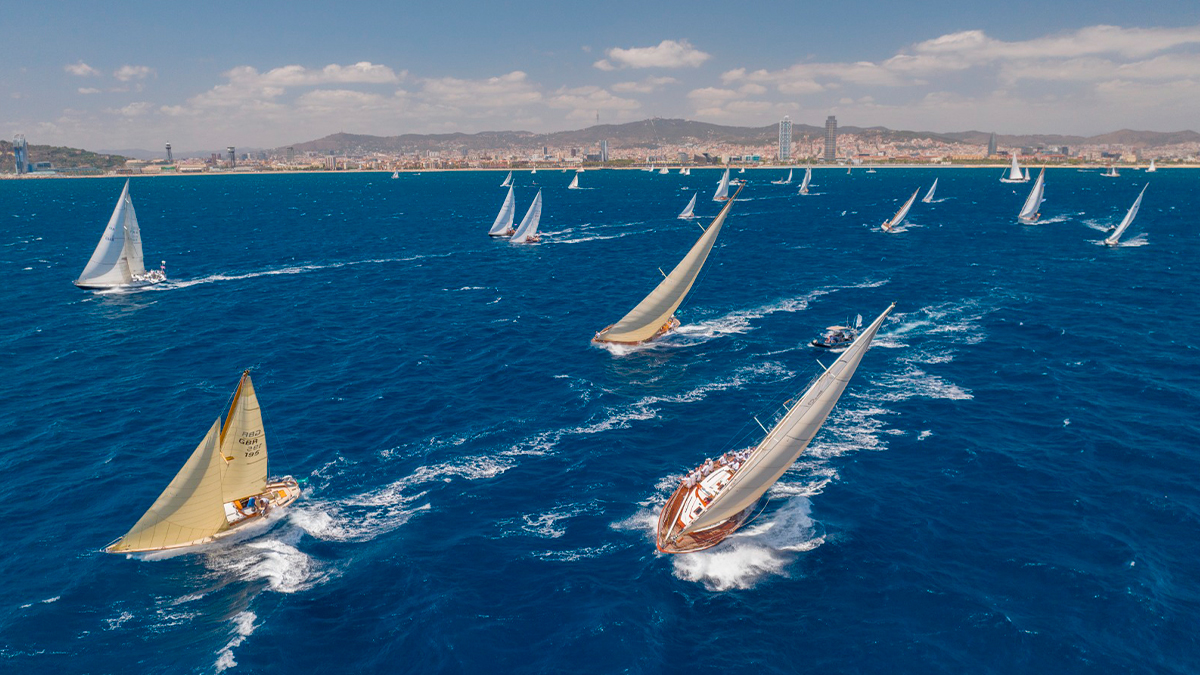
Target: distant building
[(232, 157), (830, 139), (603, 151), (785, 139), (170, 159), (992, 145), (21, 154)]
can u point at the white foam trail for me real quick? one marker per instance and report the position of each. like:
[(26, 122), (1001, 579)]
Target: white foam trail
[(275, 560), (174, 284), (243, 627), (576, 554), (914, 382)]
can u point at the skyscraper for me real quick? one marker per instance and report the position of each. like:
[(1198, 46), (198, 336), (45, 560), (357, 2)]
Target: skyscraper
[(21, 154), (992, 145), (603, 151), (785, 139), (232, 162), (830, 138)]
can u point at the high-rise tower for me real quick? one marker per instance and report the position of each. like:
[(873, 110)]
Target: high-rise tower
[(992, 145), (170, 159), (231, 157), (785, 139), (830, 138), (21, 154)]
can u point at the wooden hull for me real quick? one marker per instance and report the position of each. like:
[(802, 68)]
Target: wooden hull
[(668, 540), (667, 328)]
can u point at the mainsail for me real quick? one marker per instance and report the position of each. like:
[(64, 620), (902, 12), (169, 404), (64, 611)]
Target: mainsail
[(690, 210), (118, 255), (507, 180), (1128, 220), (504, 219), (1029, 212), (528, 228), (574, 183), (928, 198), (783, 445), (806, 180), (722, 188), (1014, 173), (656, 310), (899, 217), (1151, 168)]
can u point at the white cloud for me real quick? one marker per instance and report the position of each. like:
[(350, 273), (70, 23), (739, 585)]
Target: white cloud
[(513, 89), (88, 90), (646, 86), (667, 54), (136, 109), (81, 69), (126, 73)]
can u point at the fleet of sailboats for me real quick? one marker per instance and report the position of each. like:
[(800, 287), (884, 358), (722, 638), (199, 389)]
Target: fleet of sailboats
[(526, 232), (1127, 220), (717, 498), (890, 225), (1029, 212), (689, 211), (806, 180), (223, 485), (928, 198), (117, 261)]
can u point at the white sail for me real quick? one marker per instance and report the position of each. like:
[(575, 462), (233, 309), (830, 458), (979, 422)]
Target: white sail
[(1128, 220), (1151, 168), (656, 310), (110, 264), (1027, 176), (574, 183), (133, 240), (664, 171), (533, 171), (504, 219), (529, 224), (690, 210), (785, 181), (1033, 202), (928, 198), (243, 445), (683, 171), (395, 175), (788, 439), (722, 188), (507, 180), (902, 213), (1014, 173), (806, 180)]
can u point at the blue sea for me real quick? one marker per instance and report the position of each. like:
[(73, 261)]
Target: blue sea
[(1008, 484)]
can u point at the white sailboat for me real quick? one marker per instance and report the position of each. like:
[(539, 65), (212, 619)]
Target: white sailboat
[(1015, 174), (395, 175), (117, 261), (889, 225), (722, 188), (715, 499), (1112, 172), (527, 231), (1128, 220), (507, 180), (784, 181), (503, 226), (664, 171), (683, 171), (533, 171), (806, 180), (689, 211), (742, 170), (687, 171), (574, 183), (1151, 168), (1029, 212), (928, 198), (655, 314), (222, 486), (1027, 176)]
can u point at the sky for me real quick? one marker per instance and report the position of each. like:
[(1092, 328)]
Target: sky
[(266, 74)]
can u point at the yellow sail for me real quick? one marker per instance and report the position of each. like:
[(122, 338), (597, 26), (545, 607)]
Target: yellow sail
[(650, 315), (243, 446), (189, 511)]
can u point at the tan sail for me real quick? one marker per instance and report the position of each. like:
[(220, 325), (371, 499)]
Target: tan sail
[(244, 445), (189, 511), (655, 313)]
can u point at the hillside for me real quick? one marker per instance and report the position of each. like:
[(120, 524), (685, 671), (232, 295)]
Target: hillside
[(60, 157)]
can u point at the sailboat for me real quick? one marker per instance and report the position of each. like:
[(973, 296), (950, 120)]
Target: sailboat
[(1128, 220), (848, 170), (722, 188), (683, 171), (655, 314), (1151, 168), (507, 180), (117, 261), (872, 170), (1029, 212), (806, 180), (1014, 173), (889, 225), (395, 175), (1027, 176), (222, 486), (579, 170), (742, 170), (1112, 172), (928, 198), (664, 171), (784, 181), (574, 183), (527, 231), (503, 227), (716, 499), (690, 211)]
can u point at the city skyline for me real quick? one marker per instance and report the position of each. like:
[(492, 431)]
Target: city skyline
[(181, 80)]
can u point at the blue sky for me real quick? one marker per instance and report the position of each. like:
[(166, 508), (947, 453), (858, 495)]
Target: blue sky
[(206, 75)]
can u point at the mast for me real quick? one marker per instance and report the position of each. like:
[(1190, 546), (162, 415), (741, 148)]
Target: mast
[(1128, 220)]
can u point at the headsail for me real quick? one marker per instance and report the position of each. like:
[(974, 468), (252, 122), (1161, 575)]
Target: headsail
[(722, 188), (243, 445), (690, 210), (783, 445), (504, 219), (900, 215), (529, 224), (1128, 220), (1029, 212), (110, 263), (806, 180), (928, 198), (656, 310)]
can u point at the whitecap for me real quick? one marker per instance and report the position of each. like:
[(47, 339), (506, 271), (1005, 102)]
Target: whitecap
[(243, 627)]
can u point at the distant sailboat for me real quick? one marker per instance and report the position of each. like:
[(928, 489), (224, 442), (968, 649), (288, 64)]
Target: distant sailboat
[(889, 225), (1151, 168), (222, 486), (507, 181), (806, 180), (848, 170), (682, 171), (664, 171), (574, 183), (1014, 173), (690, 211), (1027, 176), (117, 261), (716, 499), (742, 170), (687, 171), (395, 175), (1128, 220), (872, 170), (928, 198), (579, 170), (784, 181), (1112, 172), (655, 314), (503, 227), (1029, 212), (722, 188), (527, 231)]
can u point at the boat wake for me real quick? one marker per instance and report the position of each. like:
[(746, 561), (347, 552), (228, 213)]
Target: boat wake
[(1132, 242), (175, 284)]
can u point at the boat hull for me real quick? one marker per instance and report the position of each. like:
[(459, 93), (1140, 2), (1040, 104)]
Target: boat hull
[(668, 540), (667, 328), (84, 286)]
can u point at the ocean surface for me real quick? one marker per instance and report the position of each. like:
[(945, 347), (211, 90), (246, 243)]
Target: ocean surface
[(1008, 484)]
